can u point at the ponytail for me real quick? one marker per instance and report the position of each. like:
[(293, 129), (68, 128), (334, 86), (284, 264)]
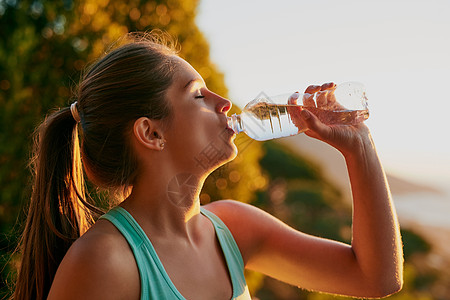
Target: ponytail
[(58, 213), (129, 82)]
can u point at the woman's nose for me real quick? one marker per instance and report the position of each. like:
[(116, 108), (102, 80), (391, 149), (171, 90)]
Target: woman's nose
[(223, 105)]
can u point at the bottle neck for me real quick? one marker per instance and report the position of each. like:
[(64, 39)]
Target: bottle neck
[(234, 123)]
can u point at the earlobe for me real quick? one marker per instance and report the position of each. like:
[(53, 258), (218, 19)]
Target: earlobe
[(147, 134)]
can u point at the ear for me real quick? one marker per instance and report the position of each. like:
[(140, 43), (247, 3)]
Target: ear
[(148, 134)]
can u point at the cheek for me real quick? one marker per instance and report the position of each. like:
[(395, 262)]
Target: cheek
[(197, 120), (194, 126)]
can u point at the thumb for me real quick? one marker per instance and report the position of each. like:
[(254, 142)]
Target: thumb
[(315, 127)]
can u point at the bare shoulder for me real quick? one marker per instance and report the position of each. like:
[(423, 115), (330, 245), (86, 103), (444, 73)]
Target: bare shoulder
[(250, 226), (99, 265), (236, 213), (225, 208)]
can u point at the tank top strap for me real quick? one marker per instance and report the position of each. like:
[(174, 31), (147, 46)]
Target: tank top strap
[(155, 282), (232, 255)]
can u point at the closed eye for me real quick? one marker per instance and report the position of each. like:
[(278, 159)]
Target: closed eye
[(199, 96)]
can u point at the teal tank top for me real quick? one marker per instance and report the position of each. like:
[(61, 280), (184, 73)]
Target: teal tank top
[(155, 282)]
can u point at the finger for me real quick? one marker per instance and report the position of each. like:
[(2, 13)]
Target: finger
[(322, 99), (293, 98), (327, 86), (294, 111), (308, 96), (315, 127), (312, 89), (332, 102), (331, 98), (308, 100), (326, 98)]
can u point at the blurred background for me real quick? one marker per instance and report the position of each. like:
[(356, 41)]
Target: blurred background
[(398, 49)]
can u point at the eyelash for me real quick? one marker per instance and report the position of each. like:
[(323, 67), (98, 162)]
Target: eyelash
[(199, 97)]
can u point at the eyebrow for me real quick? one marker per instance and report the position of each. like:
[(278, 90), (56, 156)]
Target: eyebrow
[(191, 81)]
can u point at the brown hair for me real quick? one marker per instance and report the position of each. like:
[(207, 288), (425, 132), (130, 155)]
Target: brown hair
[(126, 84)]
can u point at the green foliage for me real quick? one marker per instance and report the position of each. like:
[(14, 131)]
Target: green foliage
[(44, 47), (280, 162), (309, 202), (300, 195), (413, 244)]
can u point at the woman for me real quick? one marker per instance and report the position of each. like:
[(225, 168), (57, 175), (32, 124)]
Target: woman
[(144, 116)]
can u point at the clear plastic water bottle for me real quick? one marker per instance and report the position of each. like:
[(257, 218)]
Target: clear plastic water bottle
[(266, 118)]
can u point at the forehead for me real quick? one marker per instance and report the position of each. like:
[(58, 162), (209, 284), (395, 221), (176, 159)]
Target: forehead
[(184, 73)]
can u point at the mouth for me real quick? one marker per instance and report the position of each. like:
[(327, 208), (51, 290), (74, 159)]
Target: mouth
[(228, 127), (229, 130)]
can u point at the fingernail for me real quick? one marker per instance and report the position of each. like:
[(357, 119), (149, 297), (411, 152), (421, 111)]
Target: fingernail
[(307, 95)]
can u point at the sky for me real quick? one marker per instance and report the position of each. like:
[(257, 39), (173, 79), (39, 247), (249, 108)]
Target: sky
[(399, 49)]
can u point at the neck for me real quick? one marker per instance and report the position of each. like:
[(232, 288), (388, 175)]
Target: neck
[(166, 203)]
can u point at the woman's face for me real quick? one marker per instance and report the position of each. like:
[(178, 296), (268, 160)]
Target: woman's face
[(198, 134)]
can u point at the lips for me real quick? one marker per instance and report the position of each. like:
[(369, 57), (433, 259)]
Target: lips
[(229, 130), (227, 127)]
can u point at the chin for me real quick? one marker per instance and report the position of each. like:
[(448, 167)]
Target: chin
[(216, 152), (230, 156)]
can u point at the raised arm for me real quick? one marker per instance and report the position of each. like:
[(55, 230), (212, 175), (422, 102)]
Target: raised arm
[(376, 240), (370, 267)]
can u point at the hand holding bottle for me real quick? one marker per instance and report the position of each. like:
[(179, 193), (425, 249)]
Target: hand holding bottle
[(343, 137)]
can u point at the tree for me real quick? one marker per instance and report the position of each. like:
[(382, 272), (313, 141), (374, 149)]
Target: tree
[(44, 47)]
